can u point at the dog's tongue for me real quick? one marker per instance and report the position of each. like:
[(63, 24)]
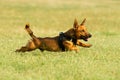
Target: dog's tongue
[(86, 39)]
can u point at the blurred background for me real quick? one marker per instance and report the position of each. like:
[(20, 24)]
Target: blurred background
[(49, 18)]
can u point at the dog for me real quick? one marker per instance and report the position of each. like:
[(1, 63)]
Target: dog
[(66, 41)]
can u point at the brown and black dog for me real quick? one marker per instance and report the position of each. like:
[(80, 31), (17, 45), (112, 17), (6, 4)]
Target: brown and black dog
[(64, 42)]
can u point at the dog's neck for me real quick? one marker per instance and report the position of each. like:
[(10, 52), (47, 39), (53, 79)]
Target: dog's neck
[(70, 33)]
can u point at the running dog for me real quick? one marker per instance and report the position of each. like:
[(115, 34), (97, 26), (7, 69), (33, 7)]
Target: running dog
[(63, 42)]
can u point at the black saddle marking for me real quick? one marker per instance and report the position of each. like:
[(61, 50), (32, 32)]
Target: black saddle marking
[(60, 40)]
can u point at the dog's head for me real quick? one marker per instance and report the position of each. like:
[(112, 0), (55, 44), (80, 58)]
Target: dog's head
[(81, 31)]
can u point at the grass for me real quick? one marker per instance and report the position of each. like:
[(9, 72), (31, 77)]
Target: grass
[(100, 62)]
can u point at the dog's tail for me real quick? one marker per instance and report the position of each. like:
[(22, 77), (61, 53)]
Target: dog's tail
[(30, 32)]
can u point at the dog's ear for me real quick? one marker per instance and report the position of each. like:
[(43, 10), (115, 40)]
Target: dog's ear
[(75, 25), (83, 22)]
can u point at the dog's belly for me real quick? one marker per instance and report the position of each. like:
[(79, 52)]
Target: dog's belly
[(50, 44)]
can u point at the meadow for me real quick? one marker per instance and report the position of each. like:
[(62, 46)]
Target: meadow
[(48, 18)]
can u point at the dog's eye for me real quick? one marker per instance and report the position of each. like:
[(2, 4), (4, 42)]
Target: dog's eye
[(82, 30)]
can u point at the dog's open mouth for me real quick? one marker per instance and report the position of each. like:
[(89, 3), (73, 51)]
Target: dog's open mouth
[(85, 38)]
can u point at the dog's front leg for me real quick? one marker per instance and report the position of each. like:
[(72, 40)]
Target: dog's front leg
[(79, 43), (70, 46)]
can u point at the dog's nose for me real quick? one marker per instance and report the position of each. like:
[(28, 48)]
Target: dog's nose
[(89, 35)]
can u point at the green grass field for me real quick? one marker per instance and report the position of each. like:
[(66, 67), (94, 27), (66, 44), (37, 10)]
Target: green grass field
[(48, 18)]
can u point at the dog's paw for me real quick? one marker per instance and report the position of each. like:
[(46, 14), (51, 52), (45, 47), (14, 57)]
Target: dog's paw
[(89, 45)]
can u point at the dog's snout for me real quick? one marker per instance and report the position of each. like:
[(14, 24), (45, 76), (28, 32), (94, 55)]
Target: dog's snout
[(89, 35)]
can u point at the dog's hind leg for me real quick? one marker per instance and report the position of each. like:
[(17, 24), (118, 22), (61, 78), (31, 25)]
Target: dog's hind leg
[(22, 49), (29, 47), (33, 44)]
